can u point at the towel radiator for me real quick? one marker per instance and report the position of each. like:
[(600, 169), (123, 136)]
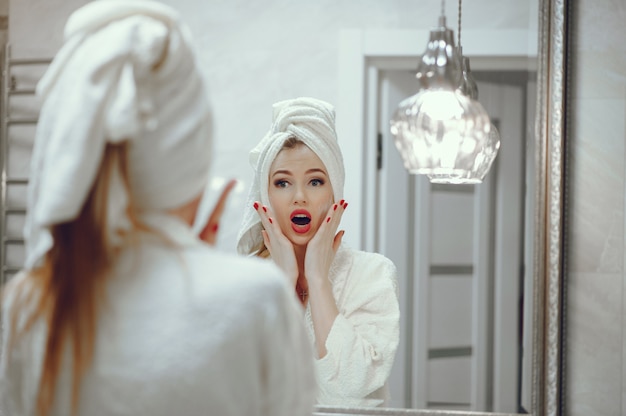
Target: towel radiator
[(15, 116)]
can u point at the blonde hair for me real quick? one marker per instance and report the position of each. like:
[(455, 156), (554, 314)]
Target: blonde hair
[(66, 291)]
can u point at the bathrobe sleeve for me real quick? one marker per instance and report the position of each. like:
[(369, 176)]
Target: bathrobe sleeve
[(363, 340)]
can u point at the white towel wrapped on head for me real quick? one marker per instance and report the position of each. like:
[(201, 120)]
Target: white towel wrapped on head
[(126, 72), (309, 120)]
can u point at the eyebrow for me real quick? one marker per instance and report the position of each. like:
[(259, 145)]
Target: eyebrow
[(308, 172)]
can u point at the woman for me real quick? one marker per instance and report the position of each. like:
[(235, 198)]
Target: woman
[(350, 297), (121, 309)]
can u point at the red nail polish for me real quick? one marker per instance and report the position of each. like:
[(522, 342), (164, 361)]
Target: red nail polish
[(335, 207), (256, 205), (328, 219), (264, 209), (271, 222), (345, 206), (342, 201), (215, 227)]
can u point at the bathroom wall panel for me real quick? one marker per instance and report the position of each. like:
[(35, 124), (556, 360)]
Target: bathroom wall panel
[(595, 354)]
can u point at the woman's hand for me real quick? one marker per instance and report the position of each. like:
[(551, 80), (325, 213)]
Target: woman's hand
[(322, 248), (320, 253), (209, 232), (279, 246)]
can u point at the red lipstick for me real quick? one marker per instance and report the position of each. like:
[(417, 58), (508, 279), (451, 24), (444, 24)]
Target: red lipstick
[(301, 221)]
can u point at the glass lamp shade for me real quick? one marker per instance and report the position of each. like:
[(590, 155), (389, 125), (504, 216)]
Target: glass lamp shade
[(484, 159), (442, 133), (488, 153)]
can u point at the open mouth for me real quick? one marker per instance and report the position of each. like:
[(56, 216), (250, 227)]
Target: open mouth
[(301, 220)]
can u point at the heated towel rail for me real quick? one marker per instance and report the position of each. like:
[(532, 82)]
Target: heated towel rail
[(19, 113)]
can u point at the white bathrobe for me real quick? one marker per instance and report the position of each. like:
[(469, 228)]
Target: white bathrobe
[(184, 331), (363, 340)]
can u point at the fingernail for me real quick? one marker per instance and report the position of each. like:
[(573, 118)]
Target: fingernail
[(345, 206), (335, 207), (271, 222), (328, 219), (342, 201), (264, 209), (215, 227), (256, 205)]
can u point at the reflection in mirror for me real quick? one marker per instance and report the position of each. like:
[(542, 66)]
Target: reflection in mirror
[(540, 316), (459, 249)]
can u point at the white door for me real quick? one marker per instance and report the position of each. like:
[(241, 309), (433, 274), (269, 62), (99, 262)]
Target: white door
[(458, 250)]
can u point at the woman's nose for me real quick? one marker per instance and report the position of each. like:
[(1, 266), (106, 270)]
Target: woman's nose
[(300, 196)]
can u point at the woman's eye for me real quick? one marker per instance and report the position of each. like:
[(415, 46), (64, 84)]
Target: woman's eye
[(281, 184), (317, 182)]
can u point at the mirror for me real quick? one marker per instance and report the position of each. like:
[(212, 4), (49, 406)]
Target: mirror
[(373, 55), (261, 53)]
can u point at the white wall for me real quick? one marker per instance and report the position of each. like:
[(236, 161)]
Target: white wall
[(257, 53), (595, 329)]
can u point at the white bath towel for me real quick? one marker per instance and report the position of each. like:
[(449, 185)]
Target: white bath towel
[(127, 71), (310, 120)]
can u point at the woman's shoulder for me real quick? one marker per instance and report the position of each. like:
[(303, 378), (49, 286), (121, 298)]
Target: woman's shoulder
[(254, 284), (237, 263), (370, 281), (358, 267), (367, 260), (251, 273)]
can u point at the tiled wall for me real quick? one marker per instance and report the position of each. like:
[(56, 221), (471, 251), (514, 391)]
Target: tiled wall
[(596, 139)]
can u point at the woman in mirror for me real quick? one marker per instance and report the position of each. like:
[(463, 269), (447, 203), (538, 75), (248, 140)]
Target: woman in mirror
[(295, 205), (121, 309)]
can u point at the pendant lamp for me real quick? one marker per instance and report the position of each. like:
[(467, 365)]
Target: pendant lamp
[(441, 131)]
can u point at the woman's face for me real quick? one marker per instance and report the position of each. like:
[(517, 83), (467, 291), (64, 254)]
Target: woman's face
[(300, 193)]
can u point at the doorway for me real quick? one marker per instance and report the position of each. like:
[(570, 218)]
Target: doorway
[(459, 251)]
